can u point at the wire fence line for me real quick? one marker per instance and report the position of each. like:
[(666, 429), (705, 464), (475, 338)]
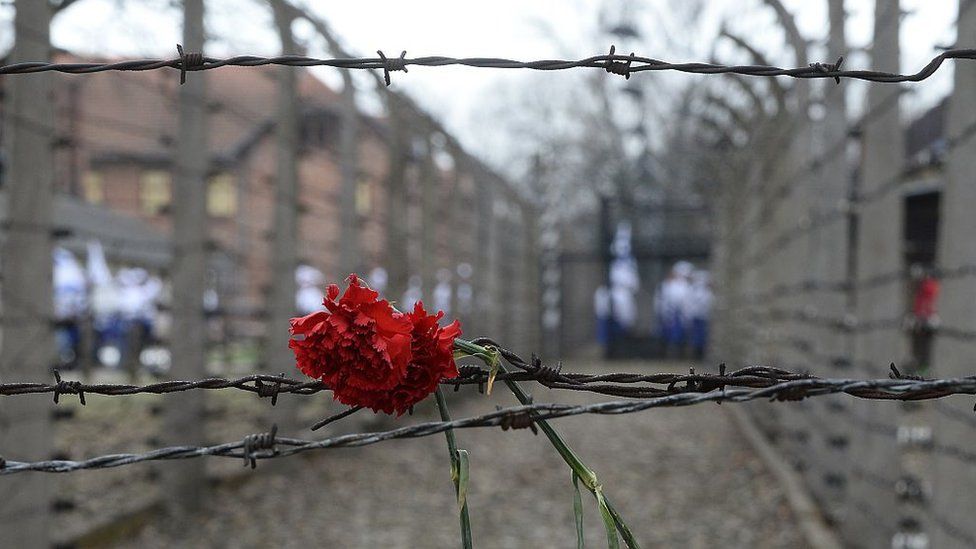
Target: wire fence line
[(843, 210), (266, 445), (928, 443), (787, 289), (835, 152), (838, 361), (851, 324), (830, 154), (618, 384), (623, 65), (906, 487), (892, 277)]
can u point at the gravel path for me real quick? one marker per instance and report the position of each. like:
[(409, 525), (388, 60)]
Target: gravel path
[(681, 477)]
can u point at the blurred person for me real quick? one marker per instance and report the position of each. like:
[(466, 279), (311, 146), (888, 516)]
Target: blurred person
[(660, 315), (927, 288), (465, 293), (211, 302), (309, 295), (413, 294), (70, 304), (442, 293), (699, 308), (378, 279), (924, 315), (672, 308), (138, 298), (139, 294), (105, 307), (601, 308), (624, 284)]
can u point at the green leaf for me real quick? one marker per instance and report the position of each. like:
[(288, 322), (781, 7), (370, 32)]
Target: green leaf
[(578, 511), (492, 372), (456, 471), (612, 541), (622, 527), (462, 478)]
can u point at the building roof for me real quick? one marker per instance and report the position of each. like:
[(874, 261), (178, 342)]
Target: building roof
[(925, 136), (134, 116), (125, 239)]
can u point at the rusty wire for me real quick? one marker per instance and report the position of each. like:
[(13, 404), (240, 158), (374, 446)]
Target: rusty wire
[(617, 384), (682, 390), (900, 389), (623, 65)]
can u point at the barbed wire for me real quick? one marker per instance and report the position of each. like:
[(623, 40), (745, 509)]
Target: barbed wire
[(834, 153), (901, 275), (619, 384), (851, 324), (267, 445), (929, 444), (950, 528), (623, 65), (806, 224)]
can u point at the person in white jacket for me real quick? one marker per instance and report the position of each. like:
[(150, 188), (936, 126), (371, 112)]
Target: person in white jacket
[(672, 308), (698, 311), (309, 295), (70, 303)]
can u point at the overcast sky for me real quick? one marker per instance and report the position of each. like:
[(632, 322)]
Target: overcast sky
[(500, 28)]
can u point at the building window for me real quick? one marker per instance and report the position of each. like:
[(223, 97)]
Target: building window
[(154, 191), (221, 196), (364, 198), (93, 188)]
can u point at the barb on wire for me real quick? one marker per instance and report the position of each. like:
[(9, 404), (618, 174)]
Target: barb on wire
[(886, 389), (67, 387), (255, 444), (830, 67), (619, 67), (391, 65), (617, 64), (188, 61)]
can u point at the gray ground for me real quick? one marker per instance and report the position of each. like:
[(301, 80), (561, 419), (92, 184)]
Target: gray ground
[(681, 477)]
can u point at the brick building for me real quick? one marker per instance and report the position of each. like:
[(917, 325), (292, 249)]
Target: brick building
[(116, 145)]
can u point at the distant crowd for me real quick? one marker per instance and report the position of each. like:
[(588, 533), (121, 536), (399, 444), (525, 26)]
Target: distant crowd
[(121, 307), (682, 303)]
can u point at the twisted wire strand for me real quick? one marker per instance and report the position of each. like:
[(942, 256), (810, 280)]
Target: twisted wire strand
[(898, 389), (617, 64), (619, 384)]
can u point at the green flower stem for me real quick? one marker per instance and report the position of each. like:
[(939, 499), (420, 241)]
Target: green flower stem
[(492, 358), (466, 540), (585, 474)]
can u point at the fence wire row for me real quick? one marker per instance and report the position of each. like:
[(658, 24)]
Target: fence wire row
[(742, 385), (618, 384), (623, 65), (805, 225)]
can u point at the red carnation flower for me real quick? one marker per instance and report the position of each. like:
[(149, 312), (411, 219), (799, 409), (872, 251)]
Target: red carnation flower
[(360, 346), (432, 349)]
